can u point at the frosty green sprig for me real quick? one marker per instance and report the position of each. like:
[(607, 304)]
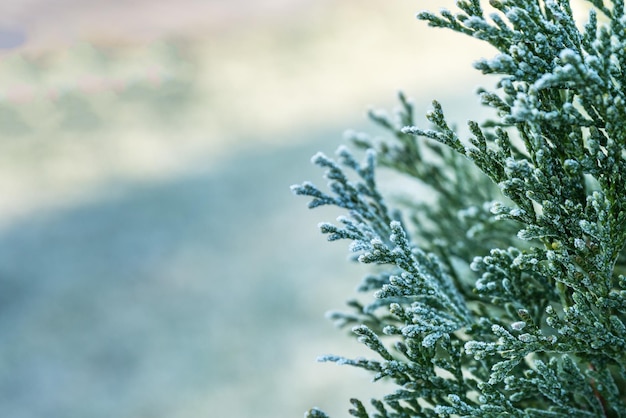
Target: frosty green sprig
[(506, 295)]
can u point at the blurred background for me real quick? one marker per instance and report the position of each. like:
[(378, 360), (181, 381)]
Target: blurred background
[(153, 262)]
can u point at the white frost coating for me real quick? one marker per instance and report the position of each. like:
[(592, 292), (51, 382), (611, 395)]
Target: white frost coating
[(376, 242), (342, 150), (518, 326), (476, 264), (501, 62), (319, 156), (497, 208), (496, 329), (570, 56), (410, 130), (579, 244)]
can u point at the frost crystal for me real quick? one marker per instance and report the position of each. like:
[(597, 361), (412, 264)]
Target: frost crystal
[(518, 326)]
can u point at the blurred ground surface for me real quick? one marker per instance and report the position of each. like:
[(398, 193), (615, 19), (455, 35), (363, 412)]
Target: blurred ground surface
[(152, 260)]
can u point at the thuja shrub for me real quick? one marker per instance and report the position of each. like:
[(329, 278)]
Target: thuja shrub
[(505, 296)]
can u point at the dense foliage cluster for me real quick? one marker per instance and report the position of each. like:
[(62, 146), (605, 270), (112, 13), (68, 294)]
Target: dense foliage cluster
[(506, 296)]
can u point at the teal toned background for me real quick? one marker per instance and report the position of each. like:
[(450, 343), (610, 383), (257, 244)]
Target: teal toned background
[(153, 262)]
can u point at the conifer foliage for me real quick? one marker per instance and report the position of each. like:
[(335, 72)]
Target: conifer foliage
[(506, 296)]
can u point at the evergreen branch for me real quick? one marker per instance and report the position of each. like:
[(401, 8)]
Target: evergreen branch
[(506, 296)]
